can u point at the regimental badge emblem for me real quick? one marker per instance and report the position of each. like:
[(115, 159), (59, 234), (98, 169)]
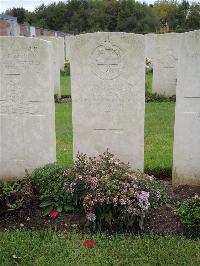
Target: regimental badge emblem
[(106, 61)]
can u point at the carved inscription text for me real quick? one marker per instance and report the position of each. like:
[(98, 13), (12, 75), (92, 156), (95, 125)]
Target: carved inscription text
[(12, 99)]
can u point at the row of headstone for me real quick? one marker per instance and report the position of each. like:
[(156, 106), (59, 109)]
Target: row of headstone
[(163, 49), (56, 62), (108, 93), (176, 61), (107, 81), (58, 59)]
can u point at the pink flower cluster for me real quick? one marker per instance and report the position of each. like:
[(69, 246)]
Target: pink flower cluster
[(106, 181)]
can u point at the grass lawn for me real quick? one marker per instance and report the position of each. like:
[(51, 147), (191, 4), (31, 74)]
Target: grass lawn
[(64, 133), (65, 84), (159, 135), (45, 248)]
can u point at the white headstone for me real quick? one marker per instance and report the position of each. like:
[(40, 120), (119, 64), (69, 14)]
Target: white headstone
[(62, 52), (108, 96), (186, 168), (67, 46), (165, 63), (27, 115), (32, 31), (56, 62), (150, 45)]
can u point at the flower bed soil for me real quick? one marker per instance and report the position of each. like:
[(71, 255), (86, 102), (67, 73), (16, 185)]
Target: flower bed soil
[(164, 220), (161, 221)]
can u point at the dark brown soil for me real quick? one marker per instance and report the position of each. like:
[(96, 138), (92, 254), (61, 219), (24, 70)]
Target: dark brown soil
[(160, 173), (161, 221), (33, 218), (164, 220)]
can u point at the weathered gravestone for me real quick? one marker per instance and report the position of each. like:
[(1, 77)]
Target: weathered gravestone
[(67, 46), (150, 45), (186, 168), (108, 80), (61, 41), (150, 50), (27, 123), (165, 63), (55, 61), (32, 31)]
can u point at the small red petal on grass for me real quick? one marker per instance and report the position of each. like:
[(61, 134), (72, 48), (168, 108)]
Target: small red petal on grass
[(89, 243), (54, 214)]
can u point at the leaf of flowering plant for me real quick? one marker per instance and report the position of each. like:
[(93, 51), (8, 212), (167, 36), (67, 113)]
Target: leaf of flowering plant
[(89, 243), (47, 210), (54, 214), (109, 217)]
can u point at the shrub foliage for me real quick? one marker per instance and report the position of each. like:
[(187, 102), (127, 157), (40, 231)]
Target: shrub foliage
[(189, 212), (106, 190), (15, 194), (110, 193), (49, 184)]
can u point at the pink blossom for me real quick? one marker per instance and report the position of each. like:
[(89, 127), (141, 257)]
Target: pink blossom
[(91, 216)]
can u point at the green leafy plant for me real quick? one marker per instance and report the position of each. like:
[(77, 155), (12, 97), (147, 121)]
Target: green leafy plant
[(189, 212), (49, 184), (110, 193), (15, 194), (56, 98), (160, 195)]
